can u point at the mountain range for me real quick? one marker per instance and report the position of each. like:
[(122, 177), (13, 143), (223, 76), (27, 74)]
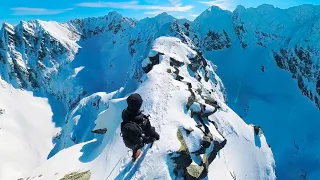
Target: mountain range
[(64, 87)]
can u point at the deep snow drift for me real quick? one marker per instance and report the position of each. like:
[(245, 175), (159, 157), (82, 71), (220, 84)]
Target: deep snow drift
[(170, 101)]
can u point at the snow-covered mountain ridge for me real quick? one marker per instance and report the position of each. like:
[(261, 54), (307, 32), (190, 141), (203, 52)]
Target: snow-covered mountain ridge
[(271, 28), (197, 139), (71, 62)]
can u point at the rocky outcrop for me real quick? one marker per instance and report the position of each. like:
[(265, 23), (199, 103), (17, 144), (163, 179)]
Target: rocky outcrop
[(150, 62), (100, 131), (216, 41), (200, 112), (32, 57), (77, 175), (2, 111), (300, 64)]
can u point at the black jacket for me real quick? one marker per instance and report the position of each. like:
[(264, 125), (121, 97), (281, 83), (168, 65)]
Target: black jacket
[(132, 113), (140, 119)]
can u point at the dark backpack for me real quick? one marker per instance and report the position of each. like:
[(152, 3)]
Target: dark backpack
[(131, 134)]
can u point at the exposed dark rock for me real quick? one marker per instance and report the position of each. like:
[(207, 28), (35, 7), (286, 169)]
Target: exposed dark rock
[(175, 63), (191, 99), (233, 175), (299, 63), (100, 131), (183, 158), (132, 51), (216, 41), (211, 102), (2, 111), (239, 29), (154, 60), (195, 172), (257, 130), (189, 130), (205, 143), (77, 176), (177, 76)]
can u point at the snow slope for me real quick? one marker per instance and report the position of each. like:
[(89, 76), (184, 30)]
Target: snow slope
[(26, 131), (271, 73), (169, 114)]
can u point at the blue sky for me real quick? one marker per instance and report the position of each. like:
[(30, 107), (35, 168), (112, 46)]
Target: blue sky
[(13, 11)]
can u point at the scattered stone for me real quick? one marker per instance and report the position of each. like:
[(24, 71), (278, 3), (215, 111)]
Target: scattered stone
[(191, 99), (2, 111), (183, 160), (100, 131), (189, 85), (205, 143), (154, 60), (194, 171), (257, 130), (177, 76), (189, 130), (175, 63), (233, 175), (77, 176), (217, 147)]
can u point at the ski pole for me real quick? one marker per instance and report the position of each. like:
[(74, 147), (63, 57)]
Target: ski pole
[(114, 167)]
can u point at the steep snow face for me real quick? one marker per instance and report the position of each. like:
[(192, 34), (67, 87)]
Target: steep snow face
[(271, 73), (26, 131), (33, 56), (200, 135)]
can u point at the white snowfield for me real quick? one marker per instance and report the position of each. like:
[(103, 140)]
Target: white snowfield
[(245, 155), (26, 131)]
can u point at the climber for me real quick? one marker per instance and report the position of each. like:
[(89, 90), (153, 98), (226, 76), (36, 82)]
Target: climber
[(136, 129)]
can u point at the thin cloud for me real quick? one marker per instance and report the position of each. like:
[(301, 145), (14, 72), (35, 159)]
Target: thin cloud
[(18, 11), (223, 4), (100, 4), (194, 15), (133, 5), (176, 3), (153, 12)]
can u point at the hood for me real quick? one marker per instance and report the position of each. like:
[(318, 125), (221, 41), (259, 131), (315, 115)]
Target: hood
[(134, 102)]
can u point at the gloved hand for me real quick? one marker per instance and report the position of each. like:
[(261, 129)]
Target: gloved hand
[(147, 116), (148, 140), (156, 136)]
